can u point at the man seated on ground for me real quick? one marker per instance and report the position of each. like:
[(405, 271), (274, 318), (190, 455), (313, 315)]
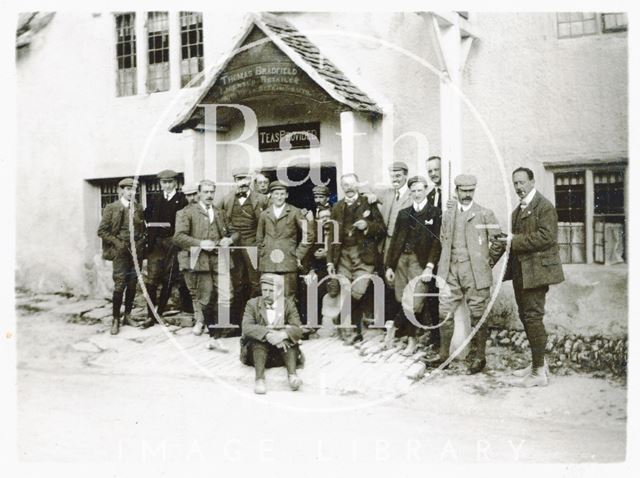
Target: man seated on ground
[(271, 332)]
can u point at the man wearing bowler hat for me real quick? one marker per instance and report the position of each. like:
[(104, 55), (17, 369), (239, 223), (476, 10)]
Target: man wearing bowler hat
[(466, 259), (282, 239), (162, 264), (119, 220)]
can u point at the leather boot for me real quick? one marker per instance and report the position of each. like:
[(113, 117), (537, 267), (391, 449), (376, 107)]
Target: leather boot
[(115, 325), (446, 333)]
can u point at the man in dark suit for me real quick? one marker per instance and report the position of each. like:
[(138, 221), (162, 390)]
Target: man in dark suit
[(413, 252), (271, 332), (534, 264), (356, 253), (283, 238), (202, 229), (242, 209), (115, 231), (434, 171), (163, 269)]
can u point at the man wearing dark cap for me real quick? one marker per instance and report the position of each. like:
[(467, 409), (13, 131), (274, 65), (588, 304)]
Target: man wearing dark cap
[(123, 221), (202, 229), (242, 208), (271, 332), (413, 253), (190, 191), (162, 264), (282, 239), (466, 259), (357, 252), (321, 195)]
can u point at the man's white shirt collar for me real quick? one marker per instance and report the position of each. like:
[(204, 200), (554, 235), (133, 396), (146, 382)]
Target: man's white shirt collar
[(528, 198), (419, 206), (402, 190), (278, 210), (169, 196), (467, 207), (124, 201)]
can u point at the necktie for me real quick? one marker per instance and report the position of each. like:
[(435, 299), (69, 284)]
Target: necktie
[(210, 213), (523, 204), (397, 194), (241, 195)]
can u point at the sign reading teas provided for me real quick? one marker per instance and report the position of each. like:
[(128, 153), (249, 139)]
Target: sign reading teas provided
[(299, 135)]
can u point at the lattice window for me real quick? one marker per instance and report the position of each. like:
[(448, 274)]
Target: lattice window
[(109, 191), (126, 84), (577, 24), (158, 75), (192, 50), (614, 22), (570, 205), (609, 219)]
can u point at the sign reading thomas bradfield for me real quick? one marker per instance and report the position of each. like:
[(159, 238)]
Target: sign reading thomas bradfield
[(301, 136)]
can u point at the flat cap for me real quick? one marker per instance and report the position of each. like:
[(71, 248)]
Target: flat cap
[(276, 185), (167, 174), (269, 278), (321, 190), (239, 172), (399, 165), (190, 188), (465, 181), (417, 179), (127, 182)]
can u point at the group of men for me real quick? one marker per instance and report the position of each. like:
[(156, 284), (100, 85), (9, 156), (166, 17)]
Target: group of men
[(250, 261)]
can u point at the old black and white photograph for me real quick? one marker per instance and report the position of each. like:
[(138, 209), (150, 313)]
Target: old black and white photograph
[(304, 237)]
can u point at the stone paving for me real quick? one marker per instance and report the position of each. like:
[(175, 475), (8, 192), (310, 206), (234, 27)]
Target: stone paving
[(331, 366)]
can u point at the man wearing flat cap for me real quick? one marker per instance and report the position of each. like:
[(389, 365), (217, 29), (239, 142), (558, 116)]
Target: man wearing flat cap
[(202, 229), (123, 221), (466, 260), (390, 201), (321, 194), (163, 270), (282, 239), (413, 253), (190, 191), (242, 208), (356, 254), (271, 332)]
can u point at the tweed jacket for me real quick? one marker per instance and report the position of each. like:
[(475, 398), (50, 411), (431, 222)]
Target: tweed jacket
[(259, 202), (367, 242), (192, 227), (113, 216), (255, 325), (481, 229), (535, 244), (427, 228), (283, 241)]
